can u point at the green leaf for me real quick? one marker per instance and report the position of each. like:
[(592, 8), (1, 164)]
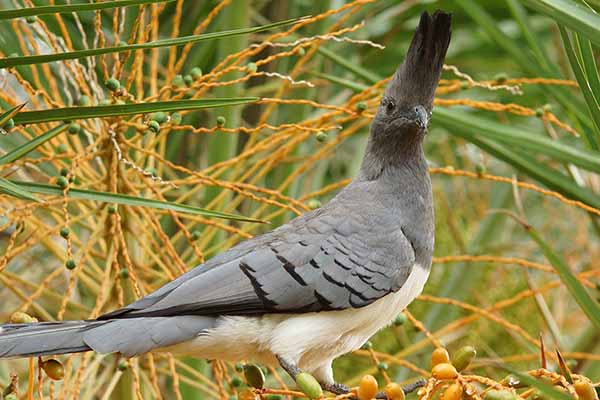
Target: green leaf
[(5, 116), (10, 188), (30, 145), (127, 200), (587, 304), (44, 58), (69, 8), (576, 16), (583, 82), (70, 113), (541, 172), (520, 138)]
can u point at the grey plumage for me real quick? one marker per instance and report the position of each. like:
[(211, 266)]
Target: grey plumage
[(348, 254)]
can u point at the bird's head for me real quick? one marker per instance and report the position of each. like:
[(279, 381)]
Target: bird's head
[(406, 105)]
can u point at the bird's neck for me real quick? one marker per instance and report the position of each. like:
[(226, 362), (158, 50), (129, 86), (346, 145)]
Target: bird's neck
[(394, 158)]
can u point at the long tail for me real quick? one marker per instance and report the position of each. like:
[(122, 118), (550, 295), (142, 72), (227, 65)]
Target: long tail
[(129, 337), (417, 78)]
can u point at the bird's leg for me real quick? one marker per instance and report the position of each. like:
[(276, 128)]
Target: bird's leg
[(289, 367), (293, 371)]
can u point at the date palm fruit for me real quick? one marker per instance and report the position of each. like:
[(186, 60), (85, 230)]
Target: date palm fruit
[(367, 388), (444, 371), (453, 392), (463, 357), (309, 385), (394, 391), (53, 369), (254, 376), (439, 356)]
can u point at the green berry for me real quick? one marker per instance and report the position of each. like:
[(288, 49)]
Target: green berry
[(254, 376), (501, 78), (154, 126), (85, 101), (368, 345), (178, 81), (124, 273), (539, 112), (239, 367), (61, 148), (70, 264), (480, 169), (321, 136), (221, 120), (252, 67), (64, 171), (31, 19), (309, 385), (64, 232), (188, 80), (463, 357), (195, 235), (112, 209), (122, 365), (301, 51), (382, 366), (547, 107), (161, 117), (105, 102), (314, 204), (196, 73), (361, 106), (236, 381), (176, 118), (112, 84), (9, 124), (74, 128), (62, 182), (465, 85), (400, 319), (76, 180)]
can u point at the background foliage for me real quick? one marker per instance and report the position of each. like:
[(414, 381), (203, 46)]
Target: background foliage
[(513, 149)]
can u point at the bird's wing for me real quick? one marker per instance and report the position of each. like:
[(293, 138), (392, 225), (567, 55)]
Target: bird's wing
[(317, 262)]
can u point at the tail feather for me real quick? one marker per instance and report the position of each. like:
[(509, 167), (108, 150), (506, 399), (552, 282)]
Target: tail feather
[(43, 338), (417, 78), (130, 337)]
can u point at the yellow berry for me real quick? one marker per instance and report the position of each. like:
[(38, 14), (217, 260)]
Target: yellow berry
[(53, 369), (367, 388), (585, 390), (22, 318), (247, 395), (439, 356), (444, 371), (453, 392), (393, 391)]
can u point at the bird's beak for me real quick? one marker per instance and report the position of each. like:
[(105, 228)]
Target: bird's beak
[(422, 117)]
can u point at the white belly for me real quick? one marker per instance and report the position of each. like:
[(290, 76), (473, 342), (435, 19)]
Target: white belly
[(310, 340)]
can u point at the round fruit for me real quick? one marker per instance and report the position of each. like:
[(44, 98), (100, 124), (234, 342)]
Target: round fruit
[(361, 106), (321, 136), (21, 318), (314, 204), (439, 356), (309, 385), (453, 392), (367, 388), (444, 371), (585, 390), (160, 117), (176, 118), (74, 128), (70, 264), (62, 182), (154, 126), (400, 319), (196, 73), (221, 120), (463, 357), (112, 84), (393, 391), (54, 369), (64, 232), (254, 376)]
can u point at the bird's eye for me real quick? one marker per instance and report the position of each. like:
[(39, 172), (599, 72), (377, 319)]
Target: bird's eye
[(390, 106)]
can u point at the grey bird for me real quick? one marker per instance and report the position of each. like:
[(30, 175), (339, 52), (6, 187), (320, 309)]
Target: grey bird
[(311, 290)]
